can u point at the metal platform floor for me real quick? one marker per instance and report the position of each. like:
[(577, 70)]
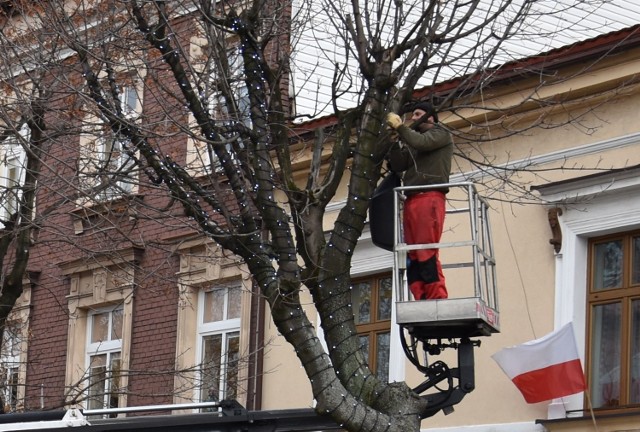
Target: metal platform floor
[(448, 318)]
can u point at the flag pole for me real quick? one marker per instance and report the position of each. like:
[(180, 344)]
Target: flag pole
[(593, 416)]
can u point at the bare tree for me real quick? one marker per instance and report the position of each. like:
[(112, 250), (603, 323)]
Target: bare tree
[(218, 76)]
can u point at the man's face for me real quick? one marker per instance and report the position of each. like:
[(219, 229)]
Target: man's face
[(425, 125)]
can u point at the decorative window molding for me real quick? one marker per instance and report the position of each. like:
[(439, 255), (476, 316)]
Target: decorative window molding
[(98, 283), (204, 268), (592, 206), (87, 217)]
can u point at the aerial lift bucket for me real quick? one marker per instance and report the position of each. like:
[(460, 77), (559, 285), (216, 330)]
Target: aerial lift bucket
[(430, 326), (467, 240)]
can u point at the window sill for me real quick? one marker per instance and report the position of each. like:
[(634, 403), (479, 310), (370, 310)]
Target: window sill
[(86, 215), (610, 419)]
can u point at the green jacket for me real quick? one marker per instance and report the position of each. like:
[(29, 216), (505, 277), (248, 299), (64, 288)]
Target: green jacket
[(425, 158)]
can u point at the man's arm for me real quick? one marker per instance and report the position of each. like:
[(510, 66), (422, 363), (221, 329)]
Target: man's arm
[(432, 139), (398, 155)]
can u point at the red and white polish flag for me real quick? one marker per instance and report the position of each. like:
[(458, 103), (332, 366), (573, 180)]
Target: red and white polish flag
[(545, 368)]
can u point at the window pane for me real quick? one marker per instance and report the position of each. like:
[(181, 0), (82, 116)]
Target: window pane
[(214, 305), (244, 104), (635, 271), (114, 385), (211, 354), (114, 367), (129, 99), (233, 357), (12, 183), (97, 379), (634, 382), (605, 355), (12, 341), (16, 340), (608, 265), (99, 327), (382, 356), (233, 310), (116, 324), (12, 388), (361, 302), (384, 299), (364, 346)]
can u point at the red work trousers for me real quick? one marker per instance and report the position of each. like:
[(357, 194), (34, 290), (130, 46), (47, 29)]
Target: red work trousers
[(423, 223)]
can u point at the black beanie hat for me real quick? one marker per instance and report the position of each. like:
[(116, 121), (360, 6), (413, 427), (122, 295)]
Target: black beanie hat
[(424, 106)]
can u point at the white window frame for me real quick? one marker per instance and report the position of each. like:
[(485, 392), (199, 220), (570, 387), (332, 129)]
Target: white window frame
[(204, 160), (126, 95), (13, 159), (217, 104), (105, 149), (98, 151), (10, 364), (592, 207), (108, 348), (225, 328)]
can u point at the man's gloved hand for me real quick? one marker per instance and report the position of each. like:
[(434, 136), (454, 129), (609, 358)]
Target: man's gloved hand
[(394, 120)]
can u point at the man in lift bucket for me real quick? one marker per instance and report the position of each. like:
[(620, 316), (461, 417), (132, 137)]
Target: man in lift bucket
[(423, 155)]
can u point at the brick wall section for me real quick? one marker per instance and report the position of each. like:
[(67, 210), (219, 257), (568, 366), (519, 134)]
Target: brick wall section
[(145, 221), (153, 347)]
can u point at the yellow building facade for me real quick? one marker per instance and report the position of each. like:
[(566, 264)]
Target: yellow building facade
[(560, 137)]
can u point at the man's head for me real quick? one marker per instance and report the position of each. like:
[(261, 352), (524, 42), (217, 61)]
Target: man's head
[(423, 114)]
